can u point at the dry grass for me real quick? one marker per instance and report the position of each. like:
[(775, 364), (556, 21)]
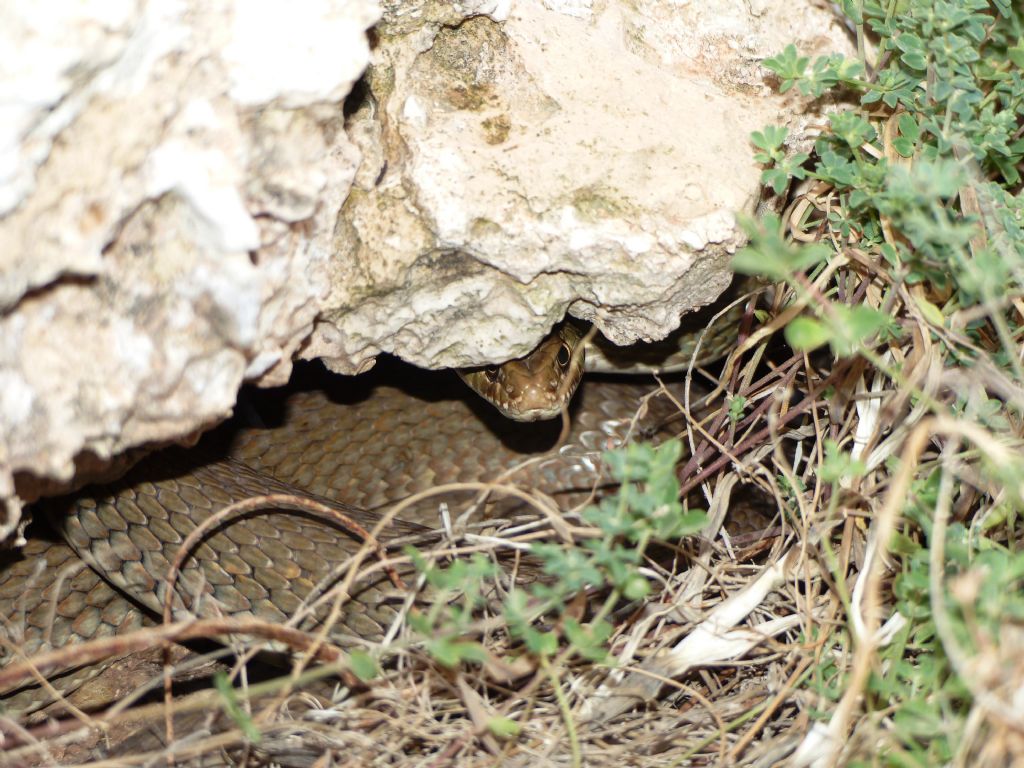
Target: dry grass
[(788, 647)]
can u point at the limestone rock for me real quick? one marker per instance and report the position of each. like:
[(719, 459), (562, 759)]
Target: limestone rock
[(188, 201), (545, 158), (169, 177)]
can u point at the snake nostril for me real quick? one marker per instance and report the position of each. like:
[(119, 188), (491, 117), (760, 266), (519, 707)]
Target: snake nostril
[(491, 373)]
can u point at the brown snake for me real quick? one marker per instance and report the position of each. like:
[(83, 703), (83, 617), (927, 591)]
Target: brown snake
[(354, 442)]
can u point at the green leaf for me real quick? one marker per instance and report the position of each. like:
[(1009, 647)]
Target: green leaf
[(421, 563), (589, 641), (635, 587), (909, 128), (768, 254), (450, 652), (839, 465), (541, 643), (931, 312), (851, 128), (233, 708), (776, 178), (788, 65), (911, 44), (903, 146), (805, 334), (770, 139), (363, 665), (852, 10), (1016, 53), (689, 523), (737, 406), (503, 727), (854, 326)]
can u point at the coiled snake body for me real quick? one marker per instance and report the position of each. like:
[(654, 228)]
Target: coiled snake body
[(350, 443)]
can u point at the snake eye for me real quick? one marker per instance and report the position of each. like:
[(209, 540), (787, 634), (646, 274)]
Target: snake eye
[(491, 373), (564, 355)]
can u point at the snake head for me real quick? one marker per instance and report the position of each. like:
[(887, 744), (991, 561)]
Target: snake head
[(537, 386)]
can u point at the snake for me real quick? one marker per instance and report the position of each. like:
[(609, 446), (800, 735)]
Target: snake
[(540, 385), (355, 445)]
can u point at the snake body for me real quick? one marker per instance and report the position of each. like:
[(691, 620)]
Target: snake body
[(353, 445), (351, 441)]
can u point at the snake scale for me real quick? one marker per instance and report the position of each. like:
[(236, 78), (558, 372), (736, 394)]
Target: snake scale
[(353, 444)]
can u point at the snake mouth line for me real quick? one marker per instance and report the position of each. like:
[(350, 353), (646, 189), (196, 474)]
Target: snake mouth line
[(538, 386), (533, 405)]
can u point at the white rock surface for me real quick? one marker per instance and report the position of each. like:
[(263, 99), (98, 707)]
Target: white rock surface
[(170, 172), (580, 157), (184, 205)]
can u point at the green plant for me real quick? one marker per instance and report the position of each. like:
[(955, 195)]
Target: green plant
[(908, 270), (644, 509), (918, 205)]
